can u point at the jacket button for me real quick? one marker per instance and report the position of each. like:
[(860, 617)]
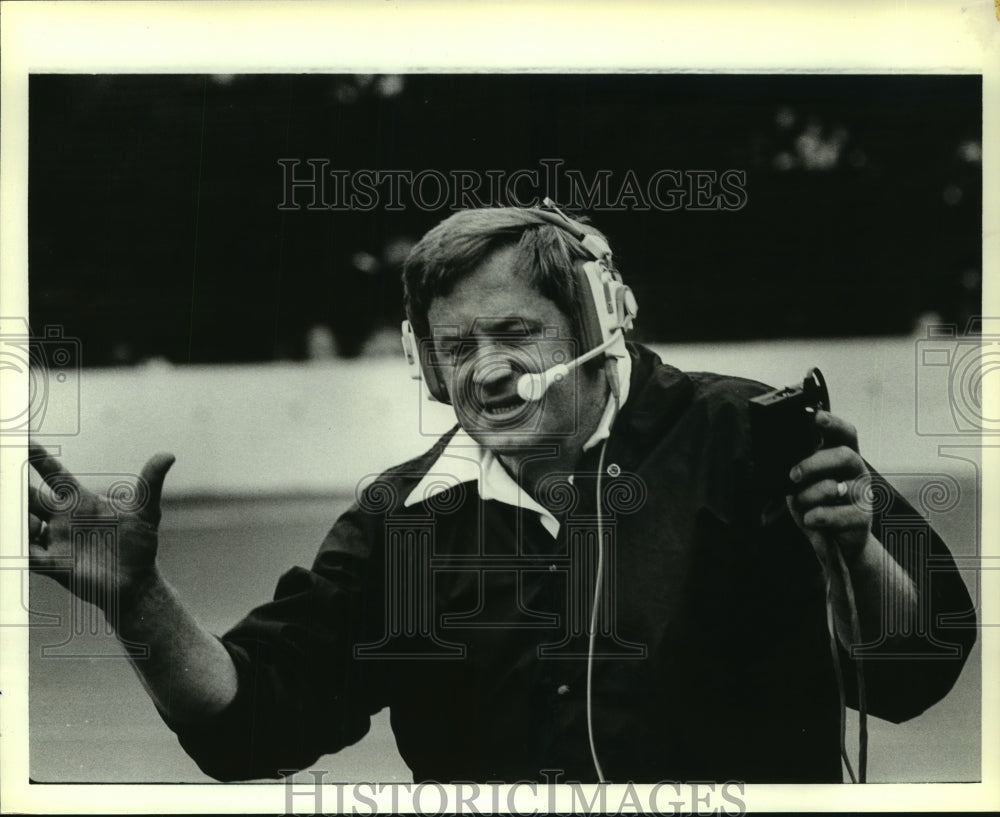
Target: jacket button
[(614, 470), (563, 689)]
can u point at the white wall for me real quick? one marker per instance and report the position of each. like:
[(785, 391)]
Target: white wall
[(321, 426)]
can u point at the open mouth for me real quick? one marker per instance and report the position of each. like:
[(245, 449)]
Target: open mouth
[(490, 393), (499, 409)]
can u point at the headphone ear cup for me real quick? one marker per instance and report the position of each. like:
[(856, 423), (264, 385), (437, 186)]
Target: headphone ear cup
[(626, 306), (436, 386), (415, 352), (586, 319), (410, 348), (433, 377)]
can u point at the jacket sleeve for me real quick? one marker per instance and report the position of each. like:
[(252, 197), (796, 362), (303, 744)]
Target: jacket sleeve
[(916, 659), (300, 692)]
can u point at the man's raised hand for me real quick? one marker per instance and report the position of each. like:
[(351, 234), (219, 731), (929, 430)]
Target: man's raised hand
[(106, 570)]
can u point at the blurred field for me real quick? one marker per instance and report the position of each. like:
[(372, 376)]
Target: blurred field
[(91, 720)]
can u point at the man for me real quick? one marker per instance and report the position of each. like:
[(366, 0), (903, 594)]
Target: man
[(585, 575)]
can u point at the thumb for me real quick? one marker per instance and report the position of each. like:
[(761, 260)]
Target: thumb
[(153, 473)]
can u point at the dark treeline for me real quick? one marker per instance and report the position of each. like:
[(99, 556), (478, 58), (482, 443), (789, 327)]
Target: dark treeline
[(156, 226)]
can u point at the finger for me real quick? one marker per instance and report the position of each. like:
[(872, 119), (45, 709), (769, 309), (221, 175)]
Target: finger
[(34, 528), (828, 463), (61, 494), (39, 558), (824, 492), (44, 563), (153, 474), (37, 505), (47, 466), (835, 518), (836, 430)]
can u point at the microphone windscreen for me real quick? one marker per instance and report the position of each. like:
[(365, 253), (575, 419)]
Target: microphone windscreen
[(530, 387), (533, 386)]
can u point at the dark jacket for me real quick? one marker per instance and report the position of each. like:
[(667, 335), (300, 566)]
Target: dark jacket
[(469, 621)]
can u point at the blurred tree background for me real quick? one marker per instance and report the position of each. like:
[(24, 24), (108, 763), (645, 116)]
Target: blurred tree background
[(156, 233)]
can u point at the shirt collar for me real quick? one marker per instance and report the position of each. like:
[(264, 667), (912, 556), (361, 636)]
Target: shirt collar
[(465, 460)]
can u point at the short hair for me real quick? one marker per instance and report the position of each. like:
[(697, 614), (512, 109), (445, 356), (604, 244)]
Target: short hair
[(546, 254)]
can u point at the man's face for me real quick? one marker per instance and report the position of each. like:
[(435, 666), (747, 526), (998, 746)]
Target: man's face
[(491, 329)]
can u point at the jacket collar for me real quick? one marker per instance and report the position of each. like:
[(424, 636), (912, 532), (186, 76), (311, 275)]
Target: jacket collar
[(659, 393)]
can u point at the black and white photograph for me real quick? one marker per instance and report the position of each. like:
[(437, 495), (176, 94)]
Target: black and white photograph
[(404, 433)]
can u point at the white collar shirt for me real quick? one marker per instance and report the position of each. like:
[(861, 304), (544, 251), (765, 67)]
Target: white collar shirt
[(465, 460)]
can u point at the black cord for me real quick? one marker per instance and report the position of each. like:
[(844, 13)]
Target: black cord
[(839, 675), (858, 670)]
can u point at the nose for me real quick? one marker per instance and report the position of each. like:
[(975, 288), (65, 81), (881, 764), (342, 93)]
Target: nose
[(492, 377)]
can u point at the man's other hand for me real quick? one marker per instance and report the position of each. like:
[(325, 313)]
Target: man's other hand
[(832, 499), (105, 571)]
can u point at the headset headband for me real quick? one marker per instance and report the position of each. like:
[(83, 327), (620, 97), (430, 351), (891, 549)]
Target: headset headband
[(591, 242)]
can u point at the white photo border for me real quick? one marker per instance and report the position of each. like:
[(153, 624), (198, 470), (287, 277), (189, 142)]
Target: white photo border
[(279, 37)]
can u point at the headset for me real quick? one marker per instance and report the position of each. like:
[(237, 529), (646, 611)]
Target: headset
[(604, 310)]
